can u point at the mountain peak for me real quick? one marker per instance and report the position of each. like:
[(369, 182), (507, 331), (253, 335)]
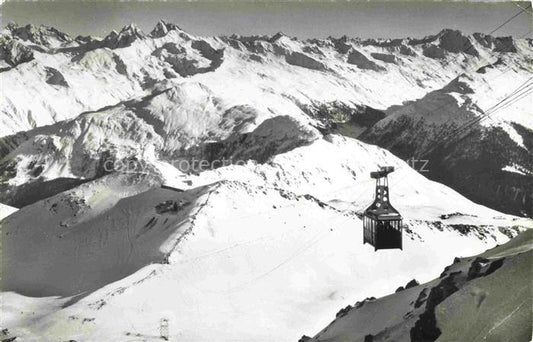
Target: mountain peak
[(11, 26), (162, 28), (277, 36), (42, 35), (127, 35), (131, 29), (456, 41), (448, 31)]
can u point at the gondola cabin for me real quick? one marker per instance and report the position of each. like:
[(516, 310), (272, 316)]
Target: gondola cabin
[(382, 224)]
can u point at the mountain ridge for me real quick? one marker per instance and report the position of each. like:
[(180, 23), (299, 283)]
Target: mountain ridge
[(479, 287)]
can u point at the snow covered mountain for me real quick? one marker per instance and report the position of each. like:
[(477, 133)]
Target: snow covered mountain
[(490, 162), (481, 298), (343, 85), (216, 182)]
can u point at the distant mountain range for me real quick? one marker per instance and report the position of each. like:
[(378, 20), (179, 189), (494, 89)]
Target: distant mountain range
[(407, 95)]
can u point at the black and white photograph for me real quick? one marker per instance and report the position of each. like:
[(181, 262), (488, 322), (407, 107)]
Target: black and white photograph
[(266, 171)]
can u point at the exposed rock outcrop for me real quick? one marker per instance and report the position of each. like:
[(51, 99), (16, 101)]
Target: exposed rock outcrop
[(433, 51), (406, 50), (207, 51), (362, 62), (273, 136), (454, 41), (13, 52), (385, 57), (305, 61), (341, 45), (162, 28), (382, 42), (124, 38), (412, 283), (497, 44), (426, 328), (41, 35), (54, 77), (120, 66), (186, 64)]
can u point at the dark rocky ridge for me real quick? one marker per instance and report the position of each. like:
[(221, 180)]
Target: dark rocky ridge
[(478, 285)]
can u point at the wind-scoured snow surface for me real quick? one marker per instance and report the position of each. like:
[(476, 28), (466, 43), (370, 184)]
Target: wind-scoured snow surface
[(480, 298), (114, 234)]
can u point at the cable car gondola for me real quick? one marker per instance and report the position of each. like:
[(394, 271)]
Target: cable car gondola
[(382, 224)]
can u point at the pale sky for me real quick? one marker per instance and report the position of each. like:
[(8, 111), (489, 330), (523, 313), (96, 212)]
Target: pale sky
[(303, 19)]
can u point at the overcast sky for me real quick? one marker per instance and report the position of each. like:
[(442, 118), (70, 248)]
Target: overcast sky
[(302, 19)]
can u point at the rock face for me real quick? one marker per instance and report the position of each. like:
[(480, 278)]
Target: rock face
[(54, 77), (85, 40), (124, 38), (120, 66), (207, 51), (42, 35), (406, 50), (384, 57), (412, 283), (204, 58), (387, 43), (361, 61), (272, 137), (455, 41), (433, 51), (425, 328), (341, 45), (162, 28), (303, 60), (497, 44), (13, 52)]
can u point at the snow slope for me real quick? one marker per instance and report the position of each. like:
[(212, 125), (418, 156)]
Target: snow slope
[(255, 247), (178, 125), (481, 298)]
